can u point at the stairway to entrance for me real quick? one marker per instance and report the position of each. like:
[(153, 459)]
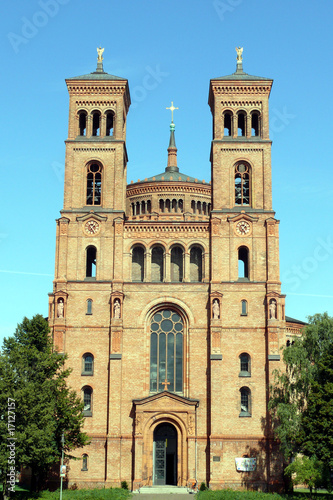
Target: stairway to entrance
[(160, 491)]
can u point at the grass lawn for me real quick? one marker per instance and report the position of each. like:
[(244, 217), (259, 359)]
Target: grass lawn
[(253, 495), (97, 494)]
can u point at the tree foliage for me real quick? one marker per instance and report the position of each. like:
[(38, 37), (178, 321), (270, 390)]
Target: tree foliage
[(305, 470), (301, 400), (33, 389)]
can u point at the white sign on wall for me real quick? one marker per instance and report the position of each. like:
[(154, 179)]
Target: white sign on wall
[(246, 464)]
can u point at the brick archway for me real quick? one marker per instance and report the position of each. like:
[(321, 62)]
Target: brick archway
[(163, 408)]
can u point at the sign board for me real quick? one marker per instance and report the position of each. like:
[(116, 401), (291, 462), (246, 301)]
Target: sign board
[(62, 470), (246, 464)]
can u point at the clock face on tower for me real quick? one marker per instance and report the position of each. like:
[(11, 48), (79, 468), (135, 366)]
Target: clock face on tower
[(91, 227), (242, 228)]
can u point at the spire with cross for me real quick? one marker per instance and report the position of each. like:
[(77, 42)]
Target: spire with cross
[(172, 108)]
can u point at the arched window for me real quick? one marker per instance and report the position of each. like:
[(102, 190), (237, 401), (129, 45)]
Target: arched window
[(177, 264), (196, 264), (109, 123), (242, 184), (89, 306), (181, 205), (193, 207), (227, 123), (87, 401), (161, 205), (138, 260), (83, 123), (167, 206), (157, 257), (84, 462), (241, 125), (96, 123), (244, 308), (91, 262), (243, 262), (255, 124), (245, 402), (245, 365), (87, 364), (166, 352), (94, 184), (174, 205)]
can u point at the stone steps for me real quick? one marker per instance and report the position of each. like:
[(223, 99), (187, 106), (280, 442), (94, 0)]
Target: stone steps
[(162, 490)]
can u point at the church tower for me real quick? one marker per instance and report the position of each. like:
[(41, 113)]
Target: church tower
[(244, 261), (167, 297)]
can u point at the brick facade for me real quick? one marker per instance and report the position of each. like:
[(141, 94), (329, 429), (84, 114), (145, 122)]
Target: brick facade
[(218, 411)]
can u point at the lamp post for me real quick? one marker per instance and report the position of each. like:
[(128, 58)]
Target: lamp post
[(62, 471)]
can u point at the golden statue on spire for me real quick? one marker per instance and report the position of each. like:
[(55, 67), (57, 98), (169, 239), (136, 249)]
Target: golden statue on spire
[(239, 51), (100, 54)]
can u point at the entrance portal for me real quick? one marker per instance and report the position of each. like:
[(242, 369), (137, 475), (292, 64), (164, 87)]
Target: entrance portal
[(165, 455)]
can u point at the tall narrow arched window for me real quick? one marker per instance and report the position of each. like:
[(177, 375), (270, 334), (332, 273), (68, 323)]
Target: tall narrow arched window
[(157, 258), (181, 205), (177, 264), (161, 205), (196, 264), (255, 124), (242, 184), (166, 352), (241, 124), (167, 206), (94, 184), (193, 207), (91, 262), (89, 306), (83, 123), (245, 402), (138, 261), (87, 401), (244, 308), (109, 123), (227, 123), (96, 123), (84, 462), (245, 365), (87, 364), (243, 262)]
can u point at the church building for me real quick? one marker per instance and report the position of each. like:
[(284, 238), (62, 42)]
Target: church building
[(167, 295)]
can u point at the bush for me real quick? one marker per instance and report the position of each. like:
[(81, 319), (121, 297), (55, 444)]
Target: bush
[(124, 485)]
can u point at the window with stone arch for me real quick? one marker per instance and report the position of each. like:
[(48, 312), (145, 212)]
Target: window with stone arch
[(242, 184), (166, 351), (157, 263), (196, 255), (177, 263), (138, 263), (94, 184)]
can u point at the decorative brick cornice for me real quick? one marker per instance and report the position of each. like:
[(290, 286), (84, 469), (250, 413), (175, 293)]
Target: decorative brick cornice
[(95, 150), (136, 229), (96, 89), (242, 150), (241, 103), (164, 187), (241, 89), (96, 103)]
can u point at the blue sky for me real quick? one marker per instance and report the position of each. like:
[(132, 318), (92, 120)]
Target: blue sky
[(168, 50)]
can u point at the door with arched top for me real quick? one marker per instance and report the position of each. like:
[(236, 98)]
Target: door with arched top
[(165, 455)]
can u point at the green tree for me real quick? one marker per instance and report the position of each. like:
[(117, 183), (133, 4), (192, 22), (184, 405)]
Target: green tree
[(304, 470), (36, 405), (300, 419)]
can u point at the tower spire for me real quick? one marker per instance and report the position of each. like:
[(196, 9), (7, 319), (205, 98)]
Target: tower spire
[(172, 149)]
